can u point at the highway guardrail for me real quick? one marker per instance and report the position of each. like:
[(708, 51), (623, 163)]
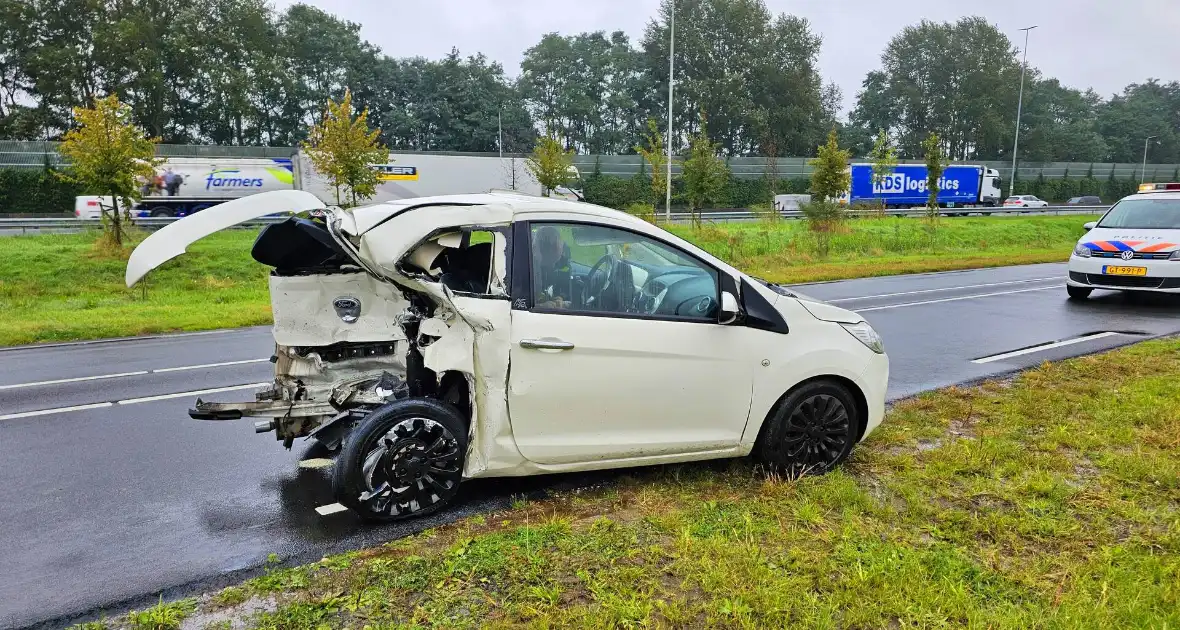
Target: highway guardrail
[(33, 224)]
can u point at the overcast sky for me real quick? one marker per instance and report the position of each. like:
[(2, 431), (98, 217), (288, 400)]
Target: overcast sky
[(1103, 44)]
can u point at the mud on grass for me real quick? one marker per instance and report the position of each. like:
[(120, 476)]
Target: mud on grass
[(1051, 500), (61, 287)]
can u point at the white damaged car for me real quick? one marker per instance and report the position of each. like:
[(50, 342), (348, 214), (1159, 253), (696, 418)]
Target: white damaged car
[(433, 340)]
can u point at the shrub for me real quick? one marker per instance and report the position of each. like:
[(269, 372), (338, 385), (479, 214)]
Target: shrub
[(36, 191), (644, 211)]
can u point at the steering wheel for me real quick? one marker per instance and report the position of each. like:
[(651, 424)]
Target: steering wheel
[(598, 280), (699, 306)]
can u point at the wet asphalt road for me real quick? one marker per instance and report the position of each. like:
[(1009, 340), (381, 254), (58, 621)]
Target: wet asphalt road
[(116, 496)]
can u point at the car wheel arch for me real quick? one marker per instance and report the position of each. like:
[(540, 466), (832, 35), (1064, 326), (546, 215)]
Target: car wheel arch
[(858, 396)]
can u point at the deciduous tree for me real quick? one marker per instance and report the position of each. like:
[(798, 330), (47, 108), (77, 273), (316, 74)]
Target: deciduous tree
[(829, 175), (703, 171), (884, 158), (655, 154), (932, 148), (343, 149), (110, 156), (550, 163)]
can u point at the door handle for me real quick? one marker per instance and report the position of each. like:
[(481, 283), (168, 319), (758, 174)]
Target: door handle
[(546, 344)]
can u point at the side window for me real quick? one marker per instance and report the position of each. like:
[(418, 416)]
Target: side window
[(596, 269), (465, 261)]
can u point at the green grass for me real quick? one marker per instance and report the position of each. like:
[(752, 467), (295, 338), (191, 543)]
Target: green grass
[(1048, 501), (786, 251), (57, 288), (163, 616)]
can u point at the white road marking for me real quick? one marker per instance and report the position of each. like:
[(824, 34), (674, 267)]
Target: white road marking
[(208, 365), (199, 392), (315, 462), (73, 380), (45, 412), (954, 299), (1042, 348), (130, 401), (332, 508), (97, 377), (967, 286)]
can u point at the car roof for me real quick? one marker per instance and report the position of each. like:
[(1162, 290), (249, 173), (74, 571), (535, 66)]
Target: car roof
[(517, 203), (1155, 195)]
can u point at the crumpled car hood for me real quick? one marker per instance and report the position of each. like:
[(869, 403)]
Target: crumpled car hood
[(173, 239)]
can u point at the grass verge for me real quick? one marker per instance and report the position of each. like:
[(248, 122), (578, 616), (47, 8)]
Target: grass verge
[(57, 287), (1051, 500)]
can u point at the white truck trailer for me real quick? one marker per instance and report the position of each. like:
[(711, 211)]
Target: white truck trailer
[(407, 175), (183, 186), (186, 185)]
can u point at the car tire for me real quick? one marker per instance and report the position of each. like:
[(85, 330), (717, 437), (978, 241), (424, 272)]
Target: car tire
[(162, 212), (404, 459), (810, 431), (1078, 293)]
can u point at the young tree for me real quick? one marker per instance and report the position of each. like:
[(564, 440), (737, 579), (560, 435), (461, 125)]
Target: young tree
[(829, 176), (932, 148), (656, 156), (704, 172), (884, 157), (343, 149), (109, 156), (550, 163)]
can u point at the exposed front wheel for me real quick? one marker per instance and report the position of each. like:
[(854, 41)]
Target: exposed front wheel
[(404, 459), (1078, 293), (811, 431)]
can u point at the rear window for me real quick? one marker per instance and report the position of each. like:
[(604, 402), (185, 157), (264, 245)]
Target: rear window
[(1144, 214)]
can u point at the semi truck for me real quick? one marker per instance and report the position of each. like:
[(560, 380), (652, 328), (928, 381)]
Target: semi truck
[(960, 186), (407, 175), (183, 186)]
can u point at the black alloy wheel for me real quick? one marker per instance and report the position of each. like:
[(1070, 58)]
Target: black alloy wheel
[(404, 459), (811, 431)]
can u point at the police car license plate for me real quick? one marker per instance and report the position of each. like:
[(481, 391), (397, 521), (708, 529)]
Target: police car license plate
[(1112, 270)]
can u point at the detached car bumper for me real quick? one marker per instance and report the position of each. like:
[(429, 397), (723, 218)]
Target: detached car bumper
[(1161, 276)]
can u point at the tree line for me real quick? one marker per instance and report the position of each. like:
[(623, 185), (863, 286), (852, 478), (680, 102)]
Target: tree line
[(239, 72)]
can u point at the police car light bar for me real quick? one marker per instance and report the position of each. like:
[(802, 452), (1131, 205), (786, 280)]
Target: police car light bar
[(1158, 187)]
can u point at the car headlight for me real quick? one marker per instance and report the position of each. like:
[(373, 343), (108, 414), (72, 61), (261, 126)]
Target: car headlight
[(1081, 251), (865, 333), (1175, 255)]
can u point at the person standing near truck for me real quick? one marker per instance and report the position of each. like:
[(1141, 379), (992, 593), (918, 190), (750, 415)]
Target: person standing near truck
[(172, 181)]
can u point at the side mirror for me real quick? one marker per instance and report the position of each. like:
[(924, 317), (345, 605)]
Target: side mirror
[(729, 309), (1090, 225)]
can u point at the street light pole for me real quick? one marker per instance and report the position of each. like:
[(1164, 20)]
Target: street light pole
[(1143, 174), (1019, 107), (671, 68)]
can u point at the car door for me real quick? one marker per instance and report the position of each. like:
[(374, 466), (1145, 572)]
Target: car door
[(631, 367)]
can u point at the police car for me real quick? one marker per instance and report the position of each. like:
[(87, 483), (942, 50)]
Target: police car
[(1135, 246)]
